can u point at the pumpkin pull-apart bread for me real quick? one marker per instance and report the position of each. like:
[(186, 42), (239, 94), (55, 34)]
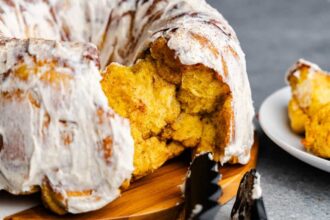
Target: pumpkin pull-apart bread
[(309, 107), (173, 78)]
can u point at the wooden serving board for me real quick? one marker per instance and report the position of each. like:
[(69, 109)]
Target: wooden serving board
[(157, 196)]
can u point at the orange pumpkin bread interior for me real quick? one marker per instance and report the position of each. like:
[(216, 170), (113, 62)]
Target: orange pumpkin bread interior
[(170, 107)]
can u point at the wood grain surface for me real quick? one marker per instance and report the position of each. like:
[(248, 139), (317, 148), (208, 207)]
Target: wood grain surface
[(157, 196)]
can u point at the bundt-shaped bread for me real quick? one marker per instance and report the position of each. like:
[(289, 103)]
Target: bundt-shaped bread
[(173, 68)]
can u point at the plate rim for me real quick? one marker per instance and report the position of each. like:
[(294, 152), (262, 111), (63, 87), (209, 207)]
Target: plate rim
[(304, 156)]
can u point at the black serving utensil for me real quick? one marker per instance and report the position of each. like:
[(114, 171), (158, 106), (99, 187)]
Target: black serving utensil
[(249, 203), (201, 189)]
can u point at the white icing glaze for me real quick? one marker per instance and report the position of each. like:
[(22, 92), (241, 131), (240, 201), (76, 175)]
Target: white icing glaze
[(33, 151), (122, 30), (303, 91)]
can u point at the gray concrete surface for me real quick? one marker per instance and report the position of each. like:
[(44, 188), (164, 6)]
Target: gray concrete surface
[(274, 34)]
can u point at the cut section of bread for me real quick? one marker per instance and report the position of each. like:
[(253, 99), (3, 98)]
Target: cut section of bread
[(297, 116), (169, 110), (317, 139)]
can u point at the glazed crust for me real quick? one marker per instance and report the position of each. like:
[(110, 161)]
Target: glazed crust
[(50, 98)]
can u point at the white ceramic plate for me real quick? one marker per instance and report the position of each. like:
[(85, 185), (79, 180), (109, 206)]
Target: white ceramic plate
[(274, 121)]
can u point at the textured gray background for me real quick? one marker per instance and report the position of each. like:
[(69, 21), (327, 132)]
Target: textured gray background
[(273, 35)]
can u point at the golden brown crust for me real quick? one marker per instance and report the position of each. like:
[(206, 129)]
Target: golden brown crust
[(51, 199), (55, 201)]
